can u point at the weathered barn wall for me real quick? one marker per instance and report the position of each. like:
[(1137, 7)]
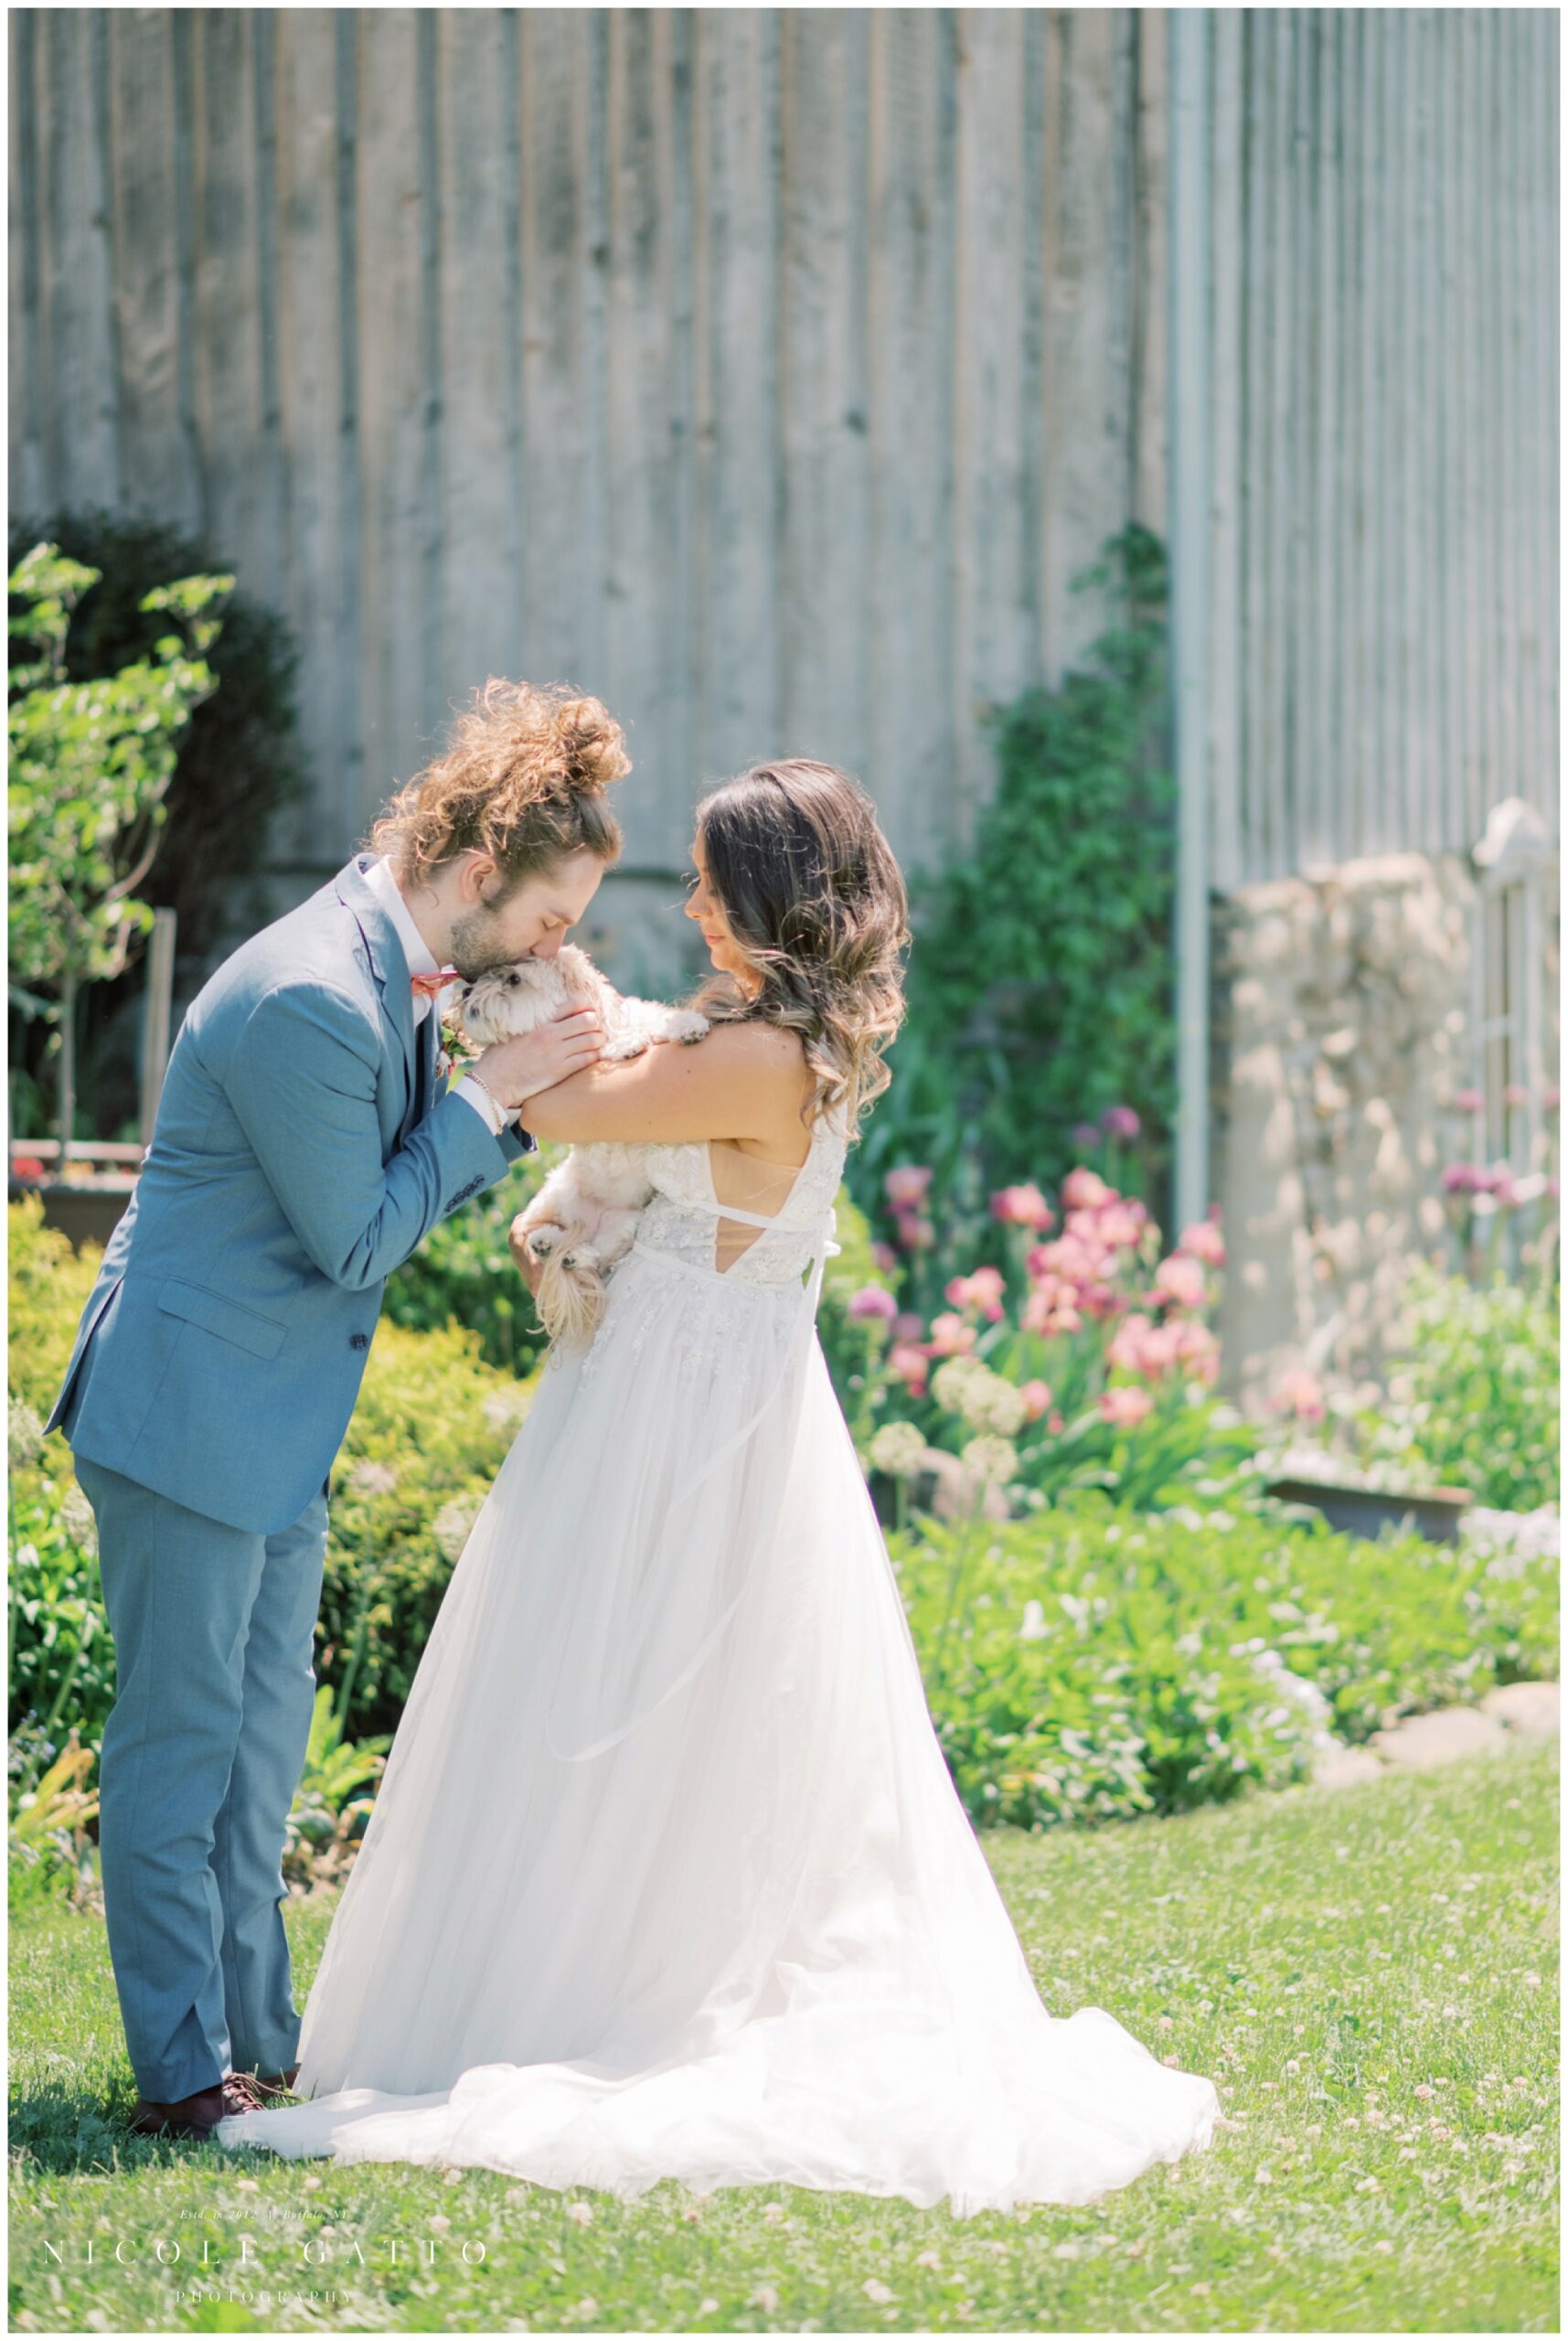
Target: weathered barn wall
[(1383, 299), (769, 373)]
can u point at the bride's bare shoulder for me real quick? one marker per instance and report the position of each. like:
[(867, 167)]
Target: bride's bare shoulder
[(770, 1059)]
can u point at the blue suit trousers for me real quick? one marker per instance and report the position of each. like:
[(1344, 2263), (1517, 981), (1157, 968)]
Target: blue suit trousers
[(203, 1747)]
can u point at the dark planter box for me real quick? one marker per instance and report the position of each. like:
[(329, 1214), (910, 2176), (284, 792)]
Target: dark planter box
[(87, 1210), (1431, 1513)]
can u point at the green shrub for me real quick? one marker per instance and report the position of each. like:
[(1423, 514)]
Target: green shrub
[(1475, 1397), (1039, 977), (240, 765), (1092, 1664)]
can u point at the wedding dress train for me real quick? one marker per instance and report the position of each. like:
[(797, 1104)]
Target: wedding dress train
[(667, 1876)]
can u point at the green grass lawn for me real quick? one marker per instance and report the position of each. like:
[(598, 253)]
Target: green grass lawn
[(1368, 1976)]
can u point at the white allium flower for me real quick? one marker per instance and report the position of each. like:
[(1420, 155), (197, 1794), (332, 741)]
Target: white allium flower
[(454, 1523), (898, 1448), (26, 1440), (369, 1479), (952, 1379), (995, 1405), (78, 1520), (988, 1458)]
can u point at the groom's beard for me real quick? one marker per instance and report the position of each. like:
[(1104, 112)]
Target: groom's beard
[(476, 947)]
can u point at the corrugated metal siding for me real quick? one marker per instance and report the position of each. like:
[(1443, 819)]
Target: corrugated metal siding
[(772, 373), (769, 372), (1384, 303)]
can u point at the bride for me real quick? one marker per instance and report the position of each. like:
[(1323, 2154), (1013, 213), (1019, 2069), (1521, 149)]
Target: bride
[(667, 1877)]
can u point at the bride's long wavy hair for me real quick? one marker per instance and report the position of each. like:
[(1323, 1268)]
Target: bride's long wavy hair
[(817, 902)]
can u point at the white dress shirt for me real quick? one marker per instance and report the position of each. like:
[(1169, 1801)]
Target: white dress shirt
[(422, 962)]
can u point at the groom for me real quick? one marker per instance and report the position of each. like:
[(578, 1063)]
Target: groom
[(304, 1146)]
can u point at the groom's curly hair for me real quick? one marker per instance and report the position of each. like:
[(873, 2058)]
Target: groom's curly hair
[(817, 902), (522, 777)]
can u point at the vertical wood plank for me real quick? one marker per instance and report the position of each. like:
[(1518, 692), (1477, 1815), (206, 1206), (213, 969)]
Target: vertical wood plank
[(909, 161), (146, 266), (225, 355), (558, 564), (993, 623), (824, 637), (309, 295), (1228, 829), (737, 508), (28, 357), (82, 288), (392, 199), (479, 611)]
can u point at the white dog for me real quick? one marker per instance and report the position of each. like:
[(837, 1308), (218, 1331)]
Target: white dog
[(585, 1216)]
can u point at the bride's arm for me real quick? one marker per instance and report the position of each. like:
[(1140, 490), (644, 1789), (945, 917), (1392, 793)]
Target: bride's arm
[(742, 1081)]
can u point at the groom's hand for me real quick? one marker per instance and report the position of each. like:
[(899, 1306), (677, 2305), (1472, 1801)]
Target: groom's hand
[(514, 1070)]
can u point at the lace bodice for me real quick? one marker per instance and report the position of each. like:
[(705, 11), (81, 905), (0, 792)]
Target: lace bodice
[(685, 1213)]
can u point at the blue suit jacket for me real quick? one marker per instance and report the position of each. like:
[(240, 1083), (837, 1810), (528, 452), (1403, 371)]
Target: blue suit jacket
[(286, 1178)]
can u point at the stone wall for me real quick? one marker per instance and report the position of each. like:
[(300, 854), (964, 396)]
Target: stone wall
[(1342, 1031)]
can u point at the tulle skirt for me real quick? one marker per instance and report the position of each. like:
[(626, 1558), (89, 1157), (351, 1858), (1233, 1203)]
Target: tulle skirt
[(667, 1876)]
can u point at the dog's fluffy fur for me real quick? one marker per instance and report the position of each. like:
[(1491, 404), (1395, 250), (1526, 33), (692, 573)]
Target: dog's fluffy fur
[(585, 1216)]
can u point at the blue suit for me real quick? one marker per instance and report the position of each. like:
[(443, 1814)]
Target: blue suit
[(297, 1158)]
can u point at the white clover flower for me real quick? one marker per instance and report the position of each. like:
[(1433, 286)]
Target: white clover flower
[(369, 1478), (26, 1436), (898, 1448), (454, 1523), (505, 1409)]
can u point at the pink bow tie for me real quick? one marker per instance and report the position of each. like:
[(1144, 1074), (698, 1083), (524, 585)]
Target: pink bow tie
[(432, 987)]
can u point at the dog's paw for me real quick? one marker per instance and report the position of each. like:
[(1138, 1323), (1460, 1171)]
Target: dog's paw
[(630, 1044), (542, 1242), (686, 1026), (583, 1260)]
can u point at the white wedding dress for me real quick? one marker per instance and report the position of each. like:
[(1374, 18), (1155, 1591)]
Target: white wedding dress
[(667, 1877)]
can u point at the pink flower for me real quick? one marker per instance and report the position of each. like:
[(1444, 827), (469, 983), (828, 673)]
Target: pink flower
[(983, 1290), (1197, 1348), (1121, 1223), (1021, 1207), (949, 1335), (1467, 1101), (1125, 1406), (1119, 1121), (1085, 1190), (871, 1300), (1045, 1313), (1300, 1393), (1204, 1242), (27, 1166), (1461, 1178), (1035, 1396), (905, 1186), (1516, 1094), (1053, 1421), (908, 1326), (886, 1259), (1180, 1278), (1085, 1134), (915, 1233), (909, 1366)]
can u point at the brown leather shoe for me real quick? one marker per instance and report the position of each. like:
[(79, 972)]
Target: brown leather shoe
[(197, 2115)]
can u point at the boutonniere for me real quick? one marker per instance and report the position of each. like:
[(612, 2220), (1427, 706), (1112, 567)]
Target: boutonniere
[(455, 1050)]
